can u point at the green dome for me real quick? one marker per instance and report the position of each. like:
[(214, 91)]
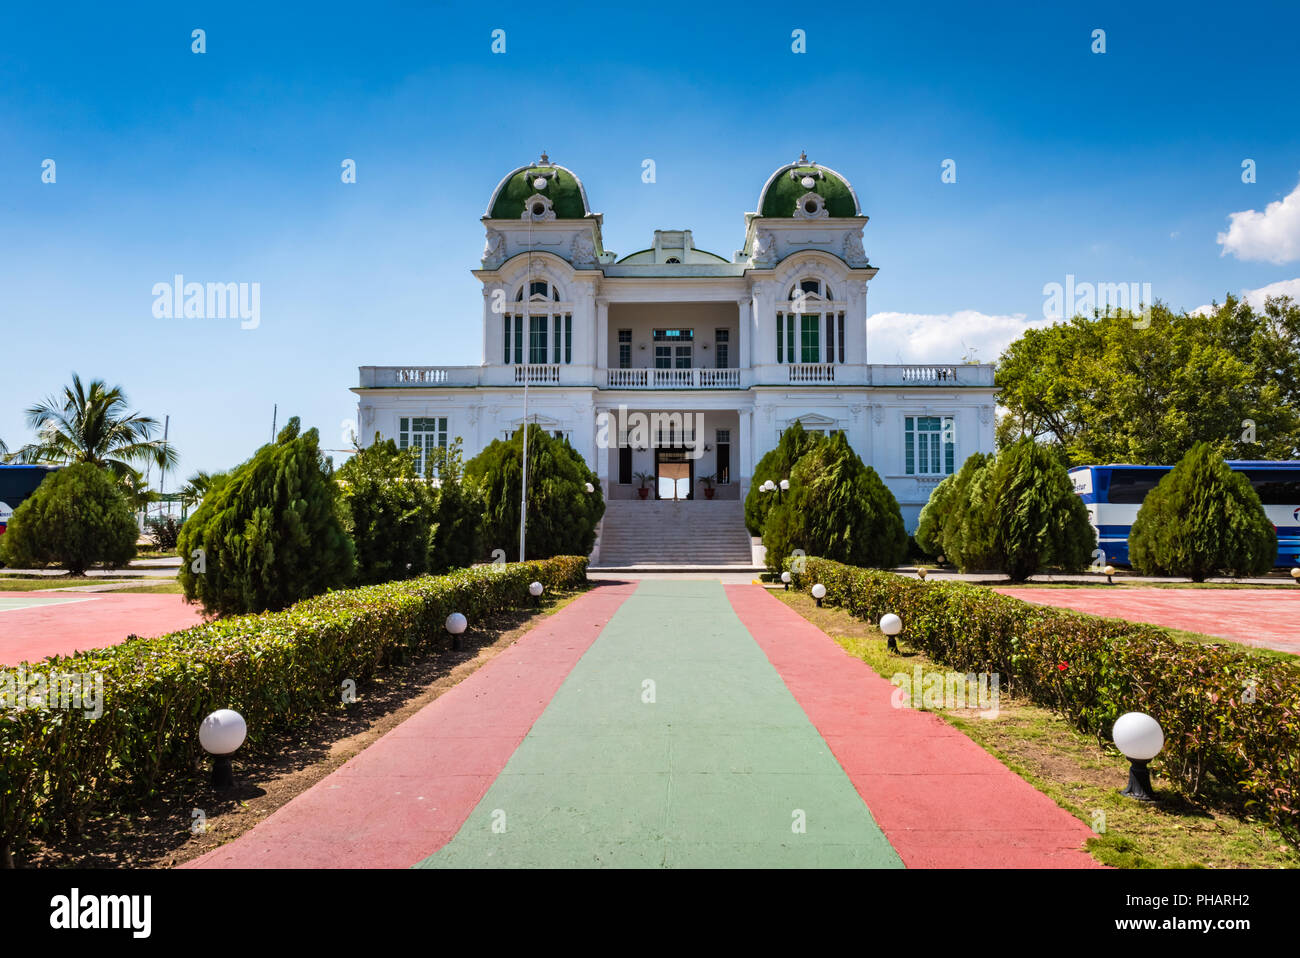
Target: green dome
[(785, 187), (563, 189)]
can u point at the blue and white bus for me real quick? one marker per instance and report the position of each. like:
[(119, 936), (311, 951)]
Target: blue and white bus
[(16, 484), (1113, 495)]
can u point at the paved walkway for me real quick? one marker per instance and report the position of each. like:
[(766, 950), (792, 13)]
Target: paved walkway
[(1268, 618), (34, 626), (667, 724)]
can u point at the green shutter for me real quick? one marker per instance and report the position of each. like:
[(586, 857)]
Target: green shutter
[(909, 444), (780, 338), (568, 338)]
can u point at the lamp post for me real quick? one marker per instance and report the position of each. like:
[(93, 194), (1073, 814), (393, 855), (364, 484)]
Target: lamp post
[(891, 625), (1140, 738), (785, 580), (819, 593), (456, 625), (920, 574), (535, 590), (1295, 575), (1110, 571), (221, 734)]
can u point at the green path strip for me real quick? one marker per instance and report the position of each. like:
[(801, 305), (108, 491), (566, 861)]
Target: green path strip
[(718, 771)]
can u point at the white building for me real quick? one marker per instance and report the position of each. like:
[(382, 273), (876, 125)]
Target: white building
[(726, 353)]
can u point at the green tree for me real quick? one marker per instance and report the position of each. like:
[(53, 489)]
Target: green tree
[(271, 534), (837, 508), (1200, 519), (458, 508), (562, 515), (1123, 388), (929, 525), (968, 529), (1039, 521), (199, 485), (90, 424), (776, 464), (76, 518), (389, 512)]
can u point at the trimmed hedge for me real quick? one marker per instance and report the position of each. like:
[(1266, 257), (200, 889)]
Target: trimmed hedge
[(1226, 714), (278, 670)]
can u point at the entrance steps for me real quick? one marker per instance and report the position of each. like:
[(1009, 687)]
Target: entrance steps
[(696, 533)]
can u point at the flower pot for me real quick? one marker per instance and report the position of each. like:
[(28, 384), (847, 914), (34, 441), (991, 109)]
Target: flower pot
[(708, 493), (643, 492)]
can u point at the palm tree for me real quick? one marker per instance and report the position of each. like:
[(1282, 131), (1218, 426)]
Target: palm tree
[(91, 424), (199, 485)]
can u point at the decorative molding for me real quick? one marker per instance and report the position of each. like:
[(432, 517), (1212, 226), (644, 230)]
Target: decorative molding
[(986, 414), (818, 204), (764, 248), (494, 250), (853, 251), (547, 213), (584, 251)]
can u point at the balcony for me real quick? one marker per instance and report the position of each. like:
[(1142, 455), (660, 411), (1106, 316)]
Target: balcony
[(674, 379)]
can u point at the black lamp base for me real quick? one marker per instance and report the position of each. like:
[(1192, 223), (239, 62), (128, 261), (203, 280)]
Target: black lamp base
[(223, 772), (1139, 781)]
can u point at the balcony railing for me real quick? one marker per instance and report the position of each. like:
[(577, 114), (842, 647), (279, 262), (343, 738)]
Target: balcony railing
[(674, 378), (812, 372), (533, 374)]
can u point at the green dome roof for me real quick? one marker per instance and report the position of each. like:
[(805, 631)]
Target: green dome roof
[(563, 189), (784, 188)]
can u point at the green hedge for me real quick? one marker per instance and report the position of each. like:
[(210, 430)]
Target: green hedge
[(1226, 714), (278, 670)]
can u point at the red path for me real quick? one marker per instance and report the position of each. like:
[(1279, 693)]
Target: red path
[(95, 621), (1269, 618), (941, 800), (406, 795)]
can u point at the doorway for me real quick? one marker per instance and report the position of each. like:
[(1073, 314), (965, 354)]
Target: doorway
[(674, 474)]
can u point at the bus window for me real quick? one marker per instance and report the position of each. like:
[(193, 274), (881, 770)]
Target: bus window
[(1276, 487), (1132, 485)]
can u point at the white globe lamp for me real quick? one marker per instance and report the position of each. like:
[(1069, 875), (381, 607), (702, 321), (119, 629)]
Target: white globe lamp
[(785, 579), (1140, 738), (891, 625), (456, 624), (819, 593), (221, 734)]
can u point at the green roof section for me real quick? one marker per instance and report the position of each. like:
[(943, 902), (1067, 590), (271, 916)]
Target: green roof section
[(783, 191), (563, 189)]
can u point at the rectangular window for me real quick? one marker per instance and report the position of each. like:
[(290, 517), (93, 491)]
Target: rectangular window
[(810, 346), (519, 340), (683, 358), (423, 435), (928, 446), (722, 348), (663, 357), (537, 339), (789, 339), (568, 338), (506, 331), (723, 444), (625, 349), (624, 465), (830, 338), (555, 349), (840, 340), (780, 337)]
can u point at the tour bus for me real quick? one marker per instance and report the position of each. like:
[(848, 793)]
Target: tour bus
[(1114, 493), (16, 484)]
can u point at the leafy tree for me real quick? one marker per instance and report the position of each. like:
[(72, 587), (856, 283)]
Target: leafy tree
[(837, 508), (199, 485), (389, 512), (76, 518), (929, 525), (1200, 519), (968, 533), (90, 424), (458, 507), (1116, 388), (271, 534), (136, 490), (1039, 521), (562, 515), (776, 464)]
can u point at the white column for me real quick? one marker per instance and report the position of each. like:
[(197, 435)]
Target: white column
[(492, 344), (602, 455), (601, 359), (745, 449), (745, 334)]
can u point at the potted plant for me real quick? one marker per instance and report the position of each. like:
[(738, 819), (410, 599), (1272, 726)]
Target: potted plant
[(643, 478), (708, 485)]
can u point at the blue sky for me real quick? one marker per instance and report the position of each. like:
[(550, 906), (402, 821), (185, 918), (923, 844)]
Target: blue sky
[(1115, 167)]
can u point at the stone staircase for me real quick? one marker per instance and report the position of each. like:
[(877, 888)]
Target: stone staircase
[(674, 534)]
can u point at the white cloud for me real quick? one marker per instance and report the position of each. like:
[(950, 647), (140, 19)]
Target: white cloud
[(943, 337), (1256, 297), (1273, 235)]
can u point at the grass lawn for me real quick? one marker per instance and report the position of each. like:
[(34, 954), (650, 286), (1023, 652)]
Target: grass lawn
[(154, 586), (1078, 774), (13, 583)]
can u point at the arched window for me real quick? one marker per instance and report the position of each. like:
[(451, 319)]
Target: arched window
[(540, 330), (810, 329)]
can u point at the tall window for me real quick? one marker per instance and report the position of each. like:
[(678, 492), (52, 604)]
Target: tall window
[(928, 445), (810, 329), (723, 444), (625, 349), (674, 348), (422, 435), (548, 324), (722, 348)]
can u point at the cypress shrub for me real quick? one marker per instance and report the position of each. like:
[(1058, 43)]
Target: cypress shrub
[(457, 514), (271, 534), (1200, 519), (1039, 521), (562, 515), (929, 525), (76, 518), (388, 512), (968, 522), (776, 464), (836, 507)]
